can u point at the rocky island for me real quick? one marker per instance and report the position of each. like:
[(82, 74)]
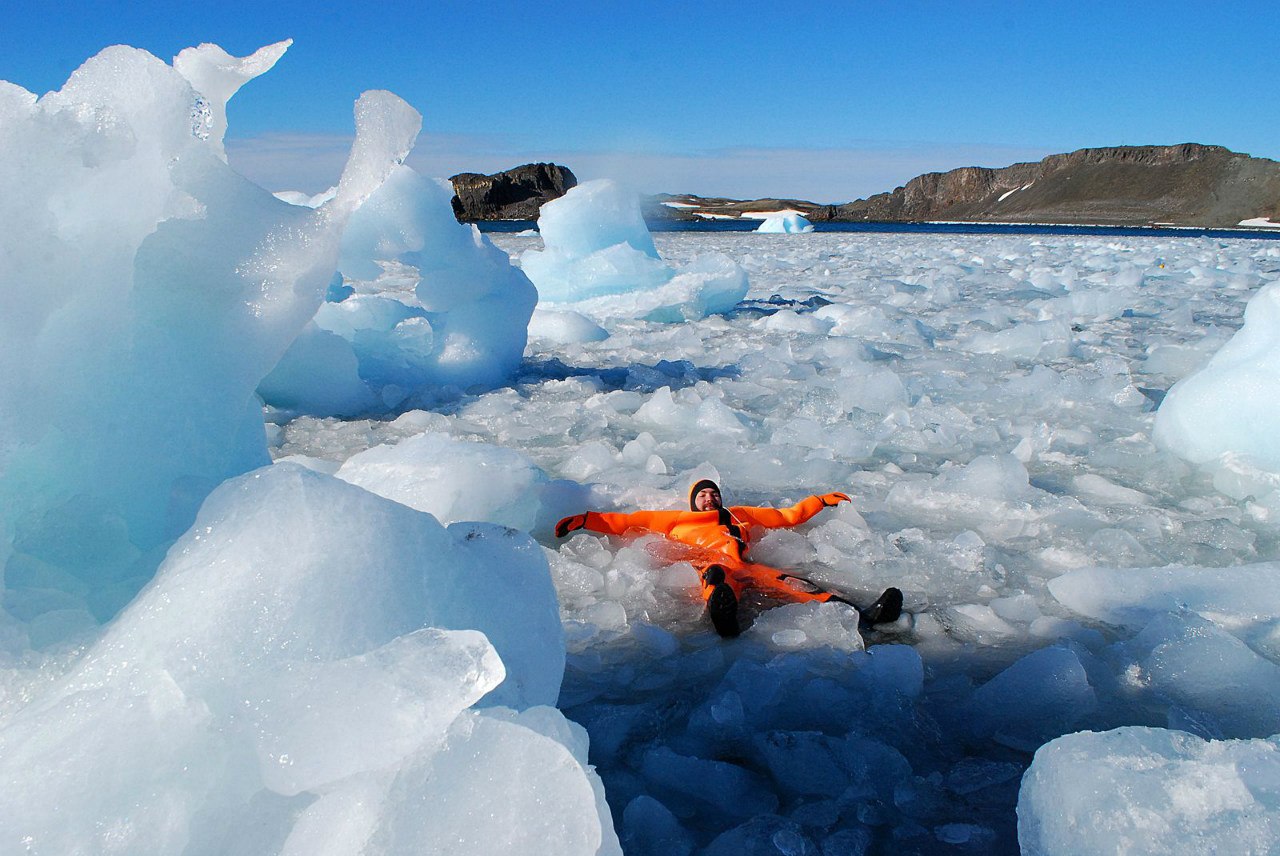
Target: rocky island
[(1182, 185), (514, 194)]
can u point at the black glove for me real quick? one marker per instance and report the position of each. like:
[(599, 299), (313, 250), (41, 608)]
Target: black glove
[(570, 524)]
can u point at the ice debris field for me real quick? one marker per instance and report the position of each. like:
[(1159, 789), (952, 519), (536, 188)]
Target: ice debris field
[(278, 477)]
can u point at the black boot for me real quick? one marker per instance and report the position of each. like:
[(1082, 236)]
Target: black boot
[(886, 609), (722, 605)]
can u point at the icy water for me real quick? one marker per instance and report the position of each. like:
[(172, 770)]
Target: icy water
[(940, 228), (987, 401)]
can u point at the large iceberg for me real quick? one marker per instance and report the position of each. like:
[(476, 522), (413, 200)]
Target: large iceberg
[(304, 662), (148, 288), (313, 669), (595, 243), (599, 258), (428, 302)]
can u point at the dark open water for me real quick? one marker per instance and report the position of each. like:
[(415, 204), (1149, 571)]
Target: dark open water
[(926, 229)]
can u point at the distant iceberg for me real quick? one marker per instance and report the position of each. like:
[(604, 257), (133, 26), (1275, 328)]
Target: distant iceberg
[(786, 222)]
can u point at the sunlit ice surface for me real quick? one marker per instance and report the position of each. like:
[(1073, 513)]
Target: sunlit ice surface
[(197, 656), (989, 402)]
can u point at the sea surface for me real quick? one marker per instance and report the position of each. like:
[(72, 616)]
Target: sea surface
[(988, 400), (1025, 229)]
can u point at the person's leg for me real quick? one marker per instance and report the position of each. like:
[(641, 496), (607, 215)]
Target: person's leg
[(781, 585), (722, 600), (793, 589), (886, 609)]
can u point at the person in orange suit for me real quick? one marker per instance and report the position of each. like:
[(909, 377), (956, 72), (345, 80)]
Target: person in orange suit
[(720, 538)]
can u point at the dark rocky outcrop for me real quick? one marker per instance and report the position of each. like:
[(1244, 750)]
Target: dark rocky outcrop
[(514, 194), (1185, 185)]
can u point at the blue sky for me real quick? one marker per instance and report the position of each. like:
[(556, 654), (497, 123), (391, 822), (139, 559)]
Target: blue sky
[(820, 101)]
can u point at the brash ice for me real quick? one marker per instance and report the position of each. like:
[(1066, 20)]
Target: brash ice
[(367, 645)]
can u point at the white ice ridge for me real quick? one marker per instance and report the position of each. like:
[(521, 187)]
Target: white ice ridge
[(1260, 222), (1239, 598), (767, 215)]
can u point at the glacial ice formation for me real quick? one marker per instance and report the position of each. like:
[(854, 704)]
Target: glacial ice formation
[(1224, 408), (455, 480), (320, 666), (1150, 791), (306, 659), (427, 302), (598, 259), (313, 669), (147, 288), (786, 222)]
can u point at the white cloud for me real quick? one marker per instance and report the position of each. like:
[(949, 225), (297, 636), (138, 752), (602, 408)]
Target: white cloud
[(832, 175), (827, 175), (307, 162)]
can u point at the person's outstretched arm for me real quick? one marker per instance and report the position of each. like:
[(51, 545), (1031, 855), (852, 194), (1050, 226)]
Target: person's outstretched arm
[(614, 523), (776, 518)]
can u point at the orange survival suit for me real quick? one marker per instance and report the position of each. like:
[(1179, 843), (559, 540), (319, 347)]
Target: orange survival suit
[(720, 537)]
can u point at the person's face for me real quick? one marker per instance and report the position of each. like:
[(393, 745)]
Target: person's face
[(707, 499)]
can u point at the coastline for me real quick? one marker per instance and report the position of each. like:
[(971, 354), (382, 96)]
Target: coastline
[(940, 227)]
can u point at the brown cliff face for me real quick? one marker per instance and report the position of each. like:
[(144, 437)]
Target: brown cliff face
[(514, 194), (1187, 184)]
